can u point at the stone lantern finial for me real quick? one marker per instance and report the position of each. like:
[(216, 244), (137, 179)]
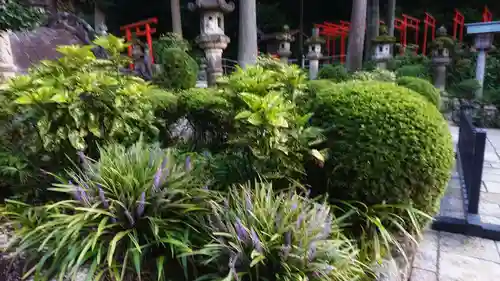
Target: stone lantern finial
[(212, 38), (285, 38), (314, 43), (442, 31)]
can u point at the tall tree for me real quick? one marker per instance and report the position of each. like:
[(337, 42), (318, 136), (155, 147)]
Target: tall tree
[(175, 7), (373, 23), (356, 35), (247, 36), (391, 16)]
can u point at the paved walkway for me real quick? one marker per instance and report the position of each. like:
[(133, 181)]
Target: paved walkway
[(452, 257)]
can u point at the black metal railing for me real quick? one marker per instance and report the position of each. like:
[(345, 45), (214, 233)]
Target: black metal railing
[(471, 146)]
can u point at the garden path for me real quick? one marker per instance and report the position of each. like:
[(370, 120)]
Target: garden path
[(445, 256)]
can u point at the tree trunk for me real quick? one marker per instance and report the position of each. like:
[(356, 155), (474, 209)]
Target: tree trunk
[(99, 17), (175, 8), (372, 30), (247, 37), (356, 35), (391, 17)]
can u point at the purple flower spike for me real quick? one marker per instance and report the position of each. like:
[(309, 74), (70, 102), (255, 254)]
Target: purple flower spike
[(113, 220), (294, 206), (164, 162), (248, 201), (105, 203), (311, 253), (157, 180), (188, 163), (288, 238), (241, 232), (299, 220), (130, 218), (141, 205), (329, 268), (77, 193), (82, 157), (256, 242), (327, 229)]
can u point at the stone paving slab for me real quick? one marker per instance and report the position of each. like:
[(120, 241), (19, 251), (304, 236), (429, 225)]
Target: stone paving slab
[(445, 256)]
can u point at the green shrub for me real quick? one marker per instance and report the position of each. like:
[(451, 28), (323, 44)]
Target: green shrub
[(408, 59), (253, 124), (179, 70), (315, 86), (263, 235), (386, 145), (77, 103), (167, 41), (377, 75), (423, 87), (336, 73), (130, 218), (416, 70), (16, 16), (466, 89)]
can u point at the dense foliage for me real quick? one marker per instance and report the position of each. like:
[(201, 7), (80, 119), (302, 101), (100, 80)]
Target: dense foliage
[(227, 198), (387, 145), (264, 235), (16, 16), (130, 214), (336, 73), (76, 103), (423, 87), (378, 74), (178, 69)]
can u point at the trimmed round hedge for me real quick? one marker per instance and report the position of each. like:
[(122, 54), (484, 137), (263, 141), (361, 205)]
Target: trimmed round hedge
[(386, 145), (423, 87), (179, 70)]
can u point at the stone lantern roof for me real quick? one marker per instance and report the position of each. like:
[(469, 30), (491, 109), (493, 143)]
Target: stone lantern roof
[(442, 40), (315, 38), (384, 37), (212, 5), (285, 35)]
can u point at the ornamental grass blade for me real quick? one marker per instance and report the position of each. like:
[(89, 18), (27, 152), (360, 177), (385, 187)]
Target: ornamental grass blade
[(112, 246), (159, 268)]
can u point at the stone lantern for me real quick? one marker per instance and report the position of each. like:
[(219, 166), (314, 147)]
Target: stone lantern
[(441, 57), (284, 39), (383, 46), (212, 38), (314, 44), (483, 42)]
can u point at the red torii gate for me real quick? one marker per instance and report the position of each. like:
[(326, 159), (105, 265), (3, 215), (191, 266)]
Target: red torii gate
[(458, 21), (331, 31), (487, 15), (413, 23), (429, 21), (146, 24)]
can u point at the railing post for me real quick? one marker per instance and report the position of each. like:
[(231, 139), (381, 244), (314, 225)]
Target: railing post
[(477, 169)]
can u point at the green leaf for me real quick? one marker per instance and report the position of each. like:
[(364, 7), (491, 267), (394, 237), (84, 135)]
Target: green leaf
[(316, 154), (26, 99), (243, 115), (112, 245), (255, 119)]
